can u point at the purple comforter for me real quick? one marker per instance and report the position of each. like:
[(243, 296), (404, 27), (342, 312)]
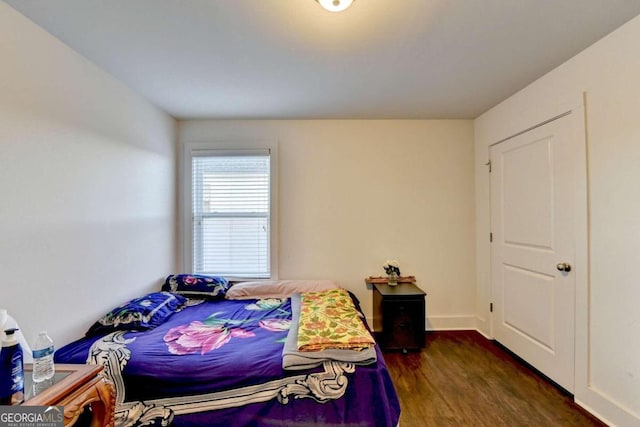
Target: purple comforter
[(220, 363)]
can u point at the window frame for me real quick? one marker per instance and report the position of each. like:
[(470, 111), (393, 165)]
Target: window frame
[(185, 211)]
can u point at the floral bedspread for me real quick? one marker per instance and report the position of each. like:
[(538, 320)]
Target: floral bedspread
[(219, 363), (330, 320)]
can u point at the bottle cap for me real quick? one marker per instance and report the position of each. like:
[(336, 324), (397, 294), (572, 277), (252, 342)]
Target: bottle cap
[(10, 338)]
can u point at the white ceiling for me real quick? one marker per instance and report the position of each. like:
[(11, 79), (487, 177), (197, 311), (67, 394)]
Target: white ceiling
[(292, 59)]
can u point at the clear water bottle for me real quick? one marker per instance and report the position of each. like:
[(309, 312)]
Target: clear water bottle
[(43, 368)]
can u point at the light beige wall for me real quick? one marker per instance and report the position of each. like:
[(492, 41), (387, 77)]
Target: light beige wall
[(87, 185), (355, 193), (608, 318)]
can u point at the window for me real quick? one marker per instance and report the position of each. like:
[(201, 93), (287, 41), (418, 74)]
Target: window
[(230, 217)]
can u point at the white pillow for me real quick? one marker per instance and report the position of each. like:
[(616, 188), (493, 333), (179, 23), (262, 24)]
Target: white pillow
[(277, 288)]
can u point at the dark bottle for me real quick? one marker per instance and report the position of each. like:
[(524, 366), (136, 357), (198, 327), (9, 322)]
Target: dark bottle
[(11, 370)]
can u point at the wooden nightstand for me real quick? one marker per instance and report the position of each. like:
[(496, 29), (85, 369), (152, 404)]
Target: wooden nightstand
[(75, 387), (399, 316)]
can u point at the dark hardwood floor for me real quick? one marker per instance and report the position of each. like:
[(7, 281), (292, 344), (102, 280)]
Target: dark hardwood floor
[(462, 379)]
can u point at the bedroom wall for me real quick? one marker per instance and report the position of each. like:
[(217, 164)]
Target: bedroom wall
[(354, 193), (87, 185), (608, 321)]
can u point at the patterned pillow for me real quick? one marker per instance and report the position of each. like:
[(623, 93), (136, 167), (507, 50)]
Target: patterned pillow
[(196, 286), (140, 314)]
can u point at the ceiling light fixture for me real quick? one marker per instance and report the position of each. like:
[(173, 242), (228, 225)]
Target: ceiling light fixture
[(335, 5)]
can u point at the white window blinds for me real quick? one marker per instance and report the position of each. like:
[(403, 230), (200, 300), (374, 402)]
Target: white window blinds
[(231, 216)]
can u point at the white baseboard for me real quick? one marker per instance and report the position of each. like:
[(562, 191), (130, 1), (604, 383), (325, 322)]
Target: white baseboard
[(483, 325), (451, 323), (606, 409), (592, 411), (484, 335)]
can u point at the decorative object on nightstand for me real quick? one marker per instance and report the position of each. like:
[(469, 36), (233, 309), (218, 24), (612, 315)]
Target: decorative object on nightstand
[(398, 316), (392, 268)]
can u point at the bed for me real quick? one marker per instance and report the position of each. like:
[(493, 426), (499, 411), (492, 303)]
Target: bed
[(220, 362)]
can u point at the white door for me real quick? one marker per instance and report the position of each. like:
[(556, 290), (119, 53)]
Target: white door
[(533, 202)]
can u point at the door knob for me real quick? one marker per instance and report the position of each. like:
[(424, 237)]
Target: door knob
[(564, 266)]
